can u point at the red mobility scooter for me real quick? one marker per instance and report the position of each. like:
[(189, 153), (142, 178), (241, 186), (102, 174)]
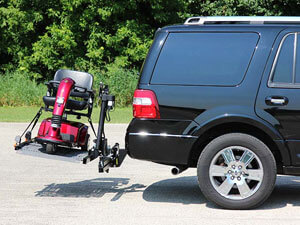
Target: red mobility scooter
[(69, 93), (58, 131)]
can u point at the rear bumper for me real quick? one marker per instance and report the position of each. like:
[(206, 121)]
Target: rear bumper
[(161, 141)]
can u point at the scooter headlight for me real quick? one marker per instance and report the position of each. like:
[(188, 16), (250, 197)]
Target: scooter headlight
[(60, 100)]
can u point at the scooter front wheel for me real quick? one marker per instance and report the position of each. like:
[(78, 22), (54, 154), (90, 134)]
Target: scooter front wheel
[(50, 148)]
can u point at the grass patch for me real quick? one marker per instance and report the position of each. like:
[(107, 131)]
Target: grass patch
[(21, 98), (26, 114), (16, 89)]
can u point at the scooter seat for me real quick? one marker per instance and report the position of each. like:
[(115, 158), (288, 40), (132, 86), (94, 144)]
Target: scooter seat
[(71, 104)]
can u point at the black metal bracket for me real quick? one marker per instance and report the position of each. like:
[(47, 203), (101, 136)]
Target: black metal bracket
[(108, 157), (18, 139)]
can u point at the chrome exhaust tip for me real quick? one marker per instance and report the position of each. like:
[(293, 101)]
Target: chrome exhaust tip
[(177, 170)]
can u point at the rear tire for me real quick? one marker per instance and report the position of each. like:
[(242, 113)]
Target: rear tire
[(50, 148), (236, 171)]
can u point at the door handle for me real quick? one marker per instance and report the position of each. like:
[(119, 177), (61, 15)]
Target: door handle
[(277, 100)]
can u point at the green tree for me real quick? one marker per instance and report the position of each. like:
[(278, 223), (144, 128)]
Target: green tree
[(38, 37)]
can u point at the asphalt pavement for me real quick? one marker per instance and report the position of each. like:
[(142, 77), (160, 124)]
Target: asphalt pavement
[(43, 191)]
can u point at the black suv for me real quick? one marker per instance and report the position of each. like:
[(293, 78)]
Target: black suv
[(222, 94)]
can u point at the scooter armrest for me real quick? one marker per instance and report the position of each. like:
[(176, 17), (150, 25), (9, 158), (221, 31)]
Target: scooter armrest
[(83, 89), (80, 89), (91, 91), (52, 83)]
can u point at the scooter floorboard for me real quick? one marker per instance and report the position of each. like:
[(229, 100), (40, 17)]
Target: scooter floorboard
[(61, 154)]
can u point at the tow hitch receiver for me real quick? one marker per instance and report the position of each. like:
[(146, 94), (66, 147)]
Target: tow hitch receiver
[(108, 157), (113, 158)]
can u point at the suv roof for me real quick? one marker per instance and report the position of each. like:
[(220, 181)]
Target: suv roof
[(235, 22), (200, 20)]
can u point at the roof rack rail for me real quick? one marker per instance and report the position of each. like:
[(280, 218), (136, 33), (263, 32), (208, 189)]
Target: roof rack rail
[(200, 20)]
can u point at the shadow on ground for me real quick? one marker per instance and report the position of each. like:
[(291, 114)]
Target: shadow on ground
[(91, 188), (286, 191), (182, 190), (185, 190)]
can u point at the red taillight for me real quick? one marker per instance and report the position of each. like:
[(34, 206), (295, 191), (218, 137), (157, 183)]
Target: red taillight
[(145, 104)]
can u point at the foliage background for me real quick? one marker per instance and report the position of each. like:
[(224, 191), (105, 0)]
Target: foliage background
[(108, 38)]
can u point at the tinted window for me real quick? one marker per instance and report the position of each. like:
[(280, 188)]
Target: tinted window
[(204, 58), (283, 71), (298, 60)]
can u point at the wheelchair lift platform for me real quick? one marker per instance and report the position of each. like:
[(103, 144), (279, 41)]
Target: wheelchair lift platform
[(108, 157), (63, 153)]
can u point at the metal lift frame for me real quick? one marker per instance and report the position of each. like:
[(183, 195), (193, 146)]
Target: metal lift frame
[(108, 157)]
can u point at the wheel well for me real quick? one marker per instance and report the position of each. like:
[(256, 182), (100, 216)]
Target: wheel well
[(233, 127)]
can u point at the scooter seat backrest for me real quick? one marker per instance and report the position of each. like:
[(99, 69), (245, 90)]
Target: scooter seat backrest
[(82, 79)]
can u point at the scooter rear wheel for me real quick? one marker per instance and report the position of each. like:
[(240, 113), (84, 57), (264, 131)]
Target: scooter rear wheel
[(50, 148)]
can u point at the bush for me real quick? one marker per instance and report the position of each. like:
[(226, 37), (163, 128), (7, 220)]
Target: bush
[(16, 89), (122, 83), (40, 37), (109, 39)]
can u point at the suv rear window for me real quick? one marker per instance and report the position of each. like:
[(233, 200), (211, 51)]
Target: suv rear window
[(204, 58)]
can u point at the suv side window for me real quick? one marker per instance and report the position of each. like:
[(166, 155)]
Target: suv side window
[(286, 67), (283, 68), (204, 58), (297, 67)]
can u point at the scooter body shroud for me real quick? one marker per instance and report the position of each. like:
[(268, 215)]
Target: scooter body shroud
[(69, 134), (57, 131)]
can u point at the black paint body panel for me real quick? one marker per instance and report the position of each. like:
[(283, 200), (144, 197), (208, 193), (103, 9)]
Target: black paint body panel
[(193, 109), (161, 148)]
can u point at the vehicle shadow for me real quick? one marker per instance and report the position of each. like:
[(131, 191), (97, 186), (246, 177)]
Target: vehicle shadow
[(181, 190), (286, 192), (185, 190), (91, 188)]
